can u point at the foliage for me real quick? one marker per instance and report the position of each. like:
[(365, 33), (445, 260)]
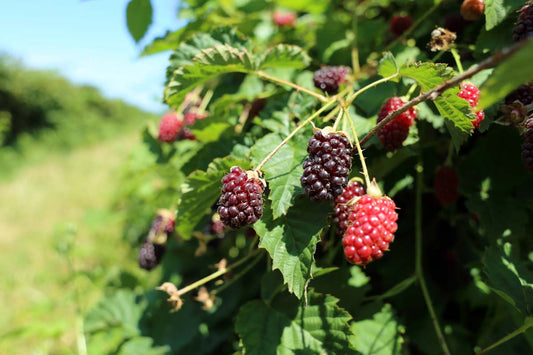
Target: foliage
[(300, 296)]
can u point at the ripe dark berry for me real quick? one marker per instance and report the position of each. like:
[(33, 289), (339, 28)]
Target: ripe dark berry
[(241, 202), (524, 94), (372, 228), (524, 26), (282, 18), (527, 146), (150, 255), (328, 79), (162, 225), (399, 24), (327, 169), (470, 93), (169, 127), (471, 10), (446, 185), (342, 209), (394, 133)]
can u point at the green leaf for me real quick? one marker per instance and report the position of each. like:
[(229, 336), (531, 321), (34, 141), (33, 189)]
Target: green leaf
[(119, 310), (508, 278), (320, 327), (428, 75), (388, 65), (138, 18), (380, 335), (458, 112), (291, 240), (142, 346), (510, 74), (200, 191), (206, 65), (283, 170), (284, 56), (497, 10)]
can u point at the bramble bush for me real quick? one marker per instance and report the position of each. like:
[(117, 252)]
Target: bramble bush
[(346, 176)]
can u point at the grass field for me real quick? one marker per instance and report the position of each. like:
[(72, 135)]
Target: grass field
[(60, 242)]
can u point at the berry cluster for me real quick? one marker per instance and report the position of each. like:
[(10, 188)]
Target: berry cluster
[(342, 204), (446, 185), (527, 146), (328, 79), (471, 10), (394, 133), (524, 26), (154, 245), (328, 166), (371, 227), (470, 93), (241, 202)]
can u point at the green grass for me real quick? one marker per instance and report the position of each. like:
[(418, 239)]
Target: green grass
[(61, 244)]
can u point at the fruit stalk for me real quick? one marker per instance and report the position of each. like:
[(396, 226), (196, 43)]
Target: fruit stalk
[(265, 76)]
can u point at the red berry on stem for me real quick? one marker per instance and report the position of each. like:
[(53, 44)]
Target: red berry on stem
[(342, 208), (372, 228), (169, 127), (284, 18), (328, 166), (241, 202), (394, 133), (471, 10), (399, 24), (446, 185), (470, 93)]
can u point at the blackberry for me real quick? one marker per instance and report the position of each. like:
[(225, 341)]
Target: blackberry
[(150, 255), (471, 10), (327, 169), (524, 94), (372, 228), (328, 79), (342, 209), (399, 24), (524, 26), (169, 127), (394, 133), (527, 146), (446, 185), (162, 225), (241, 202)]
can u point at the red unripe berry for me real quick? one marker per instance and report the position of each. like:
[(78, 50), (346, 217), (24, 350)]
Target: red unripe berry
[(372, 228), (284, 18), (470, 93), (399, 24), (342, 208), (471, 10), (394, 133), (169, 127), (446, 185)]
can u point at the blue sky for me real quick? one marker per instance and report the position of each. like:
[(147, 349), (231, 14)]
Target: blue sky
[(88, 42)]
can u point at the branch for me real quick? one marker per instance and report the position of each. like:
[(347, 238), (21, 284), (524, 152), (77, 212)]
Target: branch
[(436, 92)]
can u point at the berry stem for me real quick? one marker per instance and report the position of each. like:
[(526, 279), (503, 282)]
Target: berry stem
[(205, 101), (338, 120), (312, 117), (415, 25), (528, 323), (239, 275), (279, 81), (369, 86), (355, 51), (216, 274), (457, 59), (359, 150), (418, 256), (455, 81)]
